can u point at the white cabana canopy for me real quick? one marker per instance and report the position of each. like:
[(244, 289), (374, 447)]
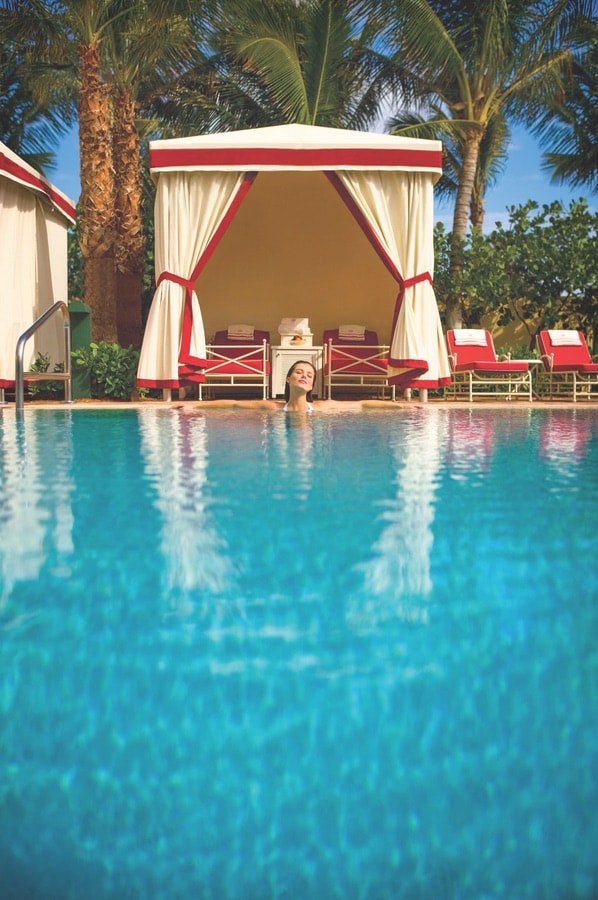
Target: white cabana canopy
[(34, 219), (385, 182)]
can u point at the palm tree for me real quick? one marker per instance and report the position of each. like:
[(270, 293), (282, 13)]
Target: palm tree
[(107, 49), (570, 126), (479, 63), (144, 51), (310, 62), (97, 188), (491, 161), (28, 126), (66, 38)]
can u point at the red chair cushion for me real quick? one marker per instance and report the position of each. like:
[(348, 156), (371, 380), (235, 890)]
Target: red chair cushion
[(247, 366), (373, 367), (495, 366), (370, 339), (233, 348), (567, 357)]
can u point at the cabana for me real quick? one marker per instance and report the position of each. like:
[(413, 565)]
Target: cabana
[(34, 219), (294, 220)]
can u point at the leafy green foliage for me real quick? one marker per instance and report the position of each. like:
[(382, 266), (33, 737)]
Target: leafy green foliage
[(542, 270), (45, 390), (110, 367), (314, 63)]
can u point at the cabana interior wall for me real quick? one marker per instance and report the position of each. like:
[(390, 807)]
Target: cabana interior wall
[(292, 250), (298, 235)]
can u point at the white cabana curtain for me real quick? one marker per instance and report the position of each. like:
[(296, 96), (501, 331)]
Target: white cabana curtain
[(52, 281), (19, 275), (191, 211), (396, 210)]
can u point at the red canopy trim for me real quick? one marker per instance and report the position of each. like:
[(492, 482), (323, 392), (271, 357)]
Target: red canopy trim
[(193, 373), (406, 380), (416, 368), (32, 179), (291, 158)]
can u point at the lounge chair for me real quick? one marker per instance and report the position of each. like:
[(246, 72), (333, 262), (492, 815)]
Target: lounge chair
[(567, 370), (354, 359), (477, 371), (238, 357)]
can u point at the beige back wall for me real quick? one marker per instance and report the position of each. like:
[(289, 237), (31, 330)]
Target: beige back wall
[(294, 249)]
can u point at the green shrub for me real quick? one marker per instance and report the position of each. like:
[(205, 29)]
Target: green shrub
[(45, 390), (110, 367), (519, 351)]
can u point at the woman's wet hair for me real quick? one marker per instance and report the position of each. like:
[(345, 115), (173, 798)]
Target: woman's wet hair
[(287, 390)]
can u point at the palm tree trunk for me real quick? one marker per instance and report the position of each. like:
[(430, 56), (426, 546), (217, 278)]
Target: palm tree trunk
[(476, 211), (130, 244), (471, 150), (97, 189)]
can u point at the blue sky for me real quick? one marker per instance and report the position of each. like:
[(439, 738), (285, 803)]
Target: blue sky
[(523, 179)]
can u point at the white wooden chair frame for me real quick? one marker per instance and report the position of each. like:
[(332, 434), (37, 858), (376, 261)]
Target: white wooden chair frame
[(253, 371), (569, 384), (341, 376), (471, 383)]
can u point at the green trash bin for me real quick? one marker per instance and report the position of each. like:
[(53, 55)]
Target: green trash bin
[(80, 315)]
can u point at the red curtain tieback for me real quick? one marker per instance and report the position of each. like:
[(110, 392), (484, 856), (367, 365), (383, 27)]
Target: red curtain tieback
[(178, 279), (417, 279)]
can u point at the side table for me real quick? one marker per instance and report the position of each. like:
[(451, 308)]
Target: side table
[(282, 358)]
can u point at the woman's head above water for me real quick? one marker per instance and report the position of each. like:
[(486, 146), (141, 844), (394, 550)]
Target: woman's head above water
[(299, 382)]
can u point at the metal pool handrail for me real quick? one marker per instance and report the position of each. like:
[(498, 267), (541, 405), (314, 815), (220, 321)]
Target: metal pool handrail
[(44, 376)]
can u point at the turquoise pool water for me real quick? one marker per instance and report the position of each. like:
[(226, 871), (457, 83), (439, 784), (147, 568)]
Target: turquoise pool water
[(245, 657)]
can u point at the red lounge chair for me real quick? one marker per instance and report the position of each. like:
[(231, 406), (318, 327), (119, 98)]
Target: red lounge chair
[(568, 369), (238, 361), (476, 369), (357, 361)]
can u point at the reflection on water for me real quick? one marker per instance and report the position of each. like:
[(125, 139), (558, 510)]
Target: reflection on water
[(36, 515), (175, 457), (564, 438), (400, 568), (353, 701), (470, 443), (292, 455)]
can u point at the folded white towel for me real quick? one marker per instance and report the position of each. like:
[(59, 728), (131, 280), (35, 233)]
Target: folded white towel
[(240, 331), (291, 325), (475, 337), (351, 332), (561, 338)]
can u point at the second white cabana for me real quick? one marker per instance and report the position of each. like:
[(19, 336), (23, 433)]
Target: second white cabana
[(294, 220), (34, 219)]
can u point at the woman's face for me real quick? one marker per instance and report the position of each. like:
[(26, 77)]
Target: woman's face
[(302, 377)]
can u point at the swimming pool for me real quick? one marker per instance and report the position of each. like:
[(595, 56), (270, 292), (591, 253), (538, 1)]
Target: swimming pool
[(250, 655)]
